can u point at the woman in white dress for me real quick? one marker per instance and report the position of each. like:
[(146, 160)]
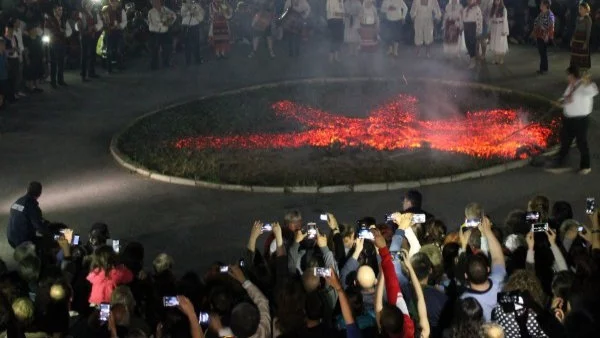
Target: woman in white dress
[(423, 13), (498, 31), (369, 27), (452, 27), (352, 25)]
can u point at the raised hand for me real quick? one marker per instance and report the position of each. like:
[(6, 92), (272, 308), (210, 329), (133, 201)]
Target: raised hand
[(300, 236), (333, 280), (237, 273), (332, 222), (256, 230), (530, 240), (551, 236), (378, 239), (321, 240)]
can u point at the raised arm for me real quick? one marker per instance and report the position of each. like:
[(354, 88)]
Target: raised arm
[(421, 307), (258, 298), (352, 263), (494, 246), (327, 254)]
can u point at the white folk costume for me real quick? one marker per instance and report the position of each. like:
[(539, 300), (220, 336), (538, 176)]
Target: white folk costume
[(192, 14), (369, 27), (335, 23), (352, 21), (394, 13), (159, 21), (423, 12), (472, 28), (499, 32), (452, 27)]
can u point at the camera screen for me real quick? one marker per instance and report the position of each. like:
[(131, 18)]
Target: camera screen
[(203, 318), (472, 222), (322, 272), (75, 239), (115, 245), (590, 205), (324, 217), (56, 237), (224, 269), (170, 301), (539, 227), (311, 230), (267, 227), (532, 216), (365, 234), (418, 218), (104, 311), (397, 255)]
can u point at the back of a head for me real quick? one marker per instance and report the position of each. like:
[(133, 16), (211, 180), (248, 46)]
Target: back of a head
[(133, 256), (244, 320), (415, 198), (104, 258), (526, 282), (435, 232), (434, 254), (477, 269), (290, 300), (561, 211), (422, 265), (99, 234), (30, 268), (23, 250), (562, 284), (468, 310), (34, 189), (310, 281), (540, 204), (492, 330), (122, 295), (392, 320), (474, 210), (515, 223), (366, 277), (24, 310), (292, 216), (162, 263)]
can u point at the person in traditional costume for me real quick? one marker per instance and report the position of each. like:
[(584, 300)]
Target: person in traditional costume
[(335, 23), (88, 24), (115, 21), (160, 18), (472, 27), (369, 27), (452, 27), (394, 13), (263, 28), (220, 13), (483, 38), (353, 8), (543, 32), (296, 13), (580, 43), (33, 61), (423, 13), (192, 15), (499, 31), (58, 29)]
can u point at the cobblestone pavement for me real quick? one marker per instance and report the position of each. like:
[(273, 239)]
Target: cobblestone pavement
[(62, 137)]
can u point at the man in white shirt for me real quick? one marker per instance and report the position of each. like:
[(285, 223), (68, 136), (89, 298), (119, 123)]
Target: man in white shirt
[(159, 20), (578, 102), (192, 14)]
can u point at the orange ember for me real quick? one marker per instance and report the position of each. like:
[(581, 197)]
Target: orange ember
[(487, 133)]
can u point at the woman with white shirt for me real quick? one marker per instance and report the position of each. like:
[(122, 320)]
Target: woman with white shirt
[(395, 14), (299, 10), (473, 26), (369, 27), (335, 23), (352, 9), (452, 27), (578, 102), (498, 31), (423, 12)]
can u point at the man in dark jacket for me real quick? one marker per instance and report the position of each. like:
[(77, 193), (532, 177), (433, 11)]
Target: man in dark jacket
[(26, 217)]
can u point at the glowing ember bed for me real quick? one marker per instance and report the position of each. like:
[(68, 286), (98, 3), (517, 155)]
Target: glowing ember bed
[(345, 131)]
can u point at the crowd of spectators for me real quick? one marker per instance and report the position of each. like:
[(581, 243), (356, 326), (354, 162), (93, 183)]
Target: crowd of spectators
[(534, 274)]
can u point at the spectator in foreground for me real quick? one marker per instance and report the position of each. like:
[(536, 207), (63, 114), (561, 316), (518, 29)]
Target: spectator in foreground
[(26, 218)]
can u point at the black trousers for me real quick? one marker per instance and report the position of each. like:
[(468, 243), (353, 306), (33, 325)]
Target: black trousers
[(336, 31), (470, 30), (543, 50), (192, 43), (575, 128), (87, 44), (13, 74), (160, 41), (57, 63), (114, 49), (294, 40)]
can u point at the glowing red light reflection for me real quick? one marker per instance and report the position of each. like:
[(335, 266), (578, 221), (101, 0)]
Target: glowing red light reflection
[(485, 133)]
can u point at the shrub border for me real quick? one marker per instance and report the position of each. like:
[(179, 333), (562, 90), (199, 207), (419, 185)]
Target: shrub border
[(137, 168)]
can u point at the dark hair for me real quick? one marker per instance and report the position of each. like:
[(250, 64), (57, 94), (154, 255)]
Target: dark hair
[(515, 223), (291, 303), (574, 70), (468, 318), (133, 257), (449, 255), (562, 284), (392, 320), (422, 265), (356, 301), (104, 258), (477, 269), (314, 306), (497, 11), (34, 189), (244, 320), (415, 198), (546, 3), (30, 268), (435, 232), (561, 211)]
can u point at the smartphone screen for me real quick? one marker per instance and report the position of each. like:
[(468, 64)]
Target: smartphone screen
[(56, 237), (115, 245), (472, 222), (322, 272), (590, 205), (365, 233), (532, 217), (324, 217), (75, 239), (539, 227), (170, 301), (311, 230), (104, 311), (418, 218), (203, 318), (224, 269)]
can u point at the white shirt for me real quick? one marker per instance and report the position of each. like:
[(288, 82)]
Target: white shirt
[(335, 9), (473, 14), (98, 25), (369, 15), (581, 101), (155, 19), (399, 13), (191, 14), (300, 6)]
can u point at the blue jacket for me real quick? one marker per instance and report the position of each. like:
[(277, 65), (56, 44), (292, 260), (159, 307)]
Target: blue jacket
[(25, 219)]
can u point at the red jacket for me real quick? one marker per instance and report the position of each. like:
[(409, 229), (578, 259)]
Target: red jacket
[(394, 293), (103, 285)]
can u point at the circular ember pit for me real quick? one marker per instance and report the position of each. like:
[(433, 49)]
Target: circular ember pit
[(342, 131)]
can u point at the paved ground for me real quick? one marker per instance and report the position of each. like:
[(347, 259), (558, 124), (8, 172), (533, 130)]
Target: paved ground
[(62, 136)]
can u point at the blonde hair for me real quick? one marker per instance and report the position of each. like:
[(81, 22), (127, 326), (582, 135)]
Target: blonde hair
[(474, 210), (162, 263), (492, 330), (24, 310)]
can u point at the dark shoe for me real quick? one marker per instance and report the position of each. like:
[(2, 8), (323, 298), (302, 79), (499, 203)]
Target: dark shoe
[(63, 83)]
